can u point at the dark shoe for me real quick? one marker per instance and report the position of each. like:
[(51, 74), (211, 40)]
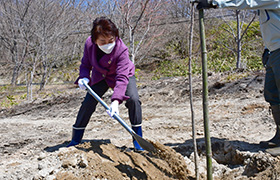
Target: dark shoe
[(275, 141), (77, 135), (273, 151), (138, 131)]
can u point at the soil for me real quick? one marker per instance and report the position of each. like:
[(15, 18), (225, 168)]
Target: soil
[(34, 135)]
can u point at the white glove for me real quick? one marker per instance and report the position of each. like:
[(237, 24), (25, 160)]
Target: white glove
[(80, 82), (114, 108)]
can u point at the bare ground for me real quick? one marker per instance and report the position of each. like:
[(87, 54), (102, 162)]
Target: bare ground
[(34, 135)]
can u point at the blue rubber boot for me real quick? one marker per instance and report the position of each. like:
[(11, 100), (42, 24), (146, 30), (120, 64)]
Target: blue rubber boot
[(138, 131), (77, 135)]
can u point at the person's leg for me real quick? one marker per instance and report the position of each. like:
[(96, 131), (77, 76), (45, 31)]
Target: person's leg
[(133, 103), (134, 110), (86, 110), (272, 94)]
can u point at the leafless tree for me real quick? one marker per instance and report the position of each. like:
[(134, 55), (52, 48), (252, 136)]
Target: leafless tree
[(13, 33), (240, 35), (241, 16), (137, 17), (54, 23), (39, 35), (178, 8)]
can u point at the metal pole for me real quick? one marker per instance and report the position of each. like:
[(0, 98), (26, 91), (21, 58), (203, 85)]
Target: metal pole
[(205, 95)]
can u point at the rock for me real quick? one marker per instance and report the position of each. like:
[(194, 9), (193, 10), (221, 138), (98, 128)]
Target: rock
[(45, 172), (70, 162), (36, 177), (40, 166), (51, 177), (42, 156), (83, 162)]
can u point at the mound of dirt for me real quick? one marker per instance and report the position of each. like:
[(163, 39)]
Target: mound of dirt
[(102, 160)]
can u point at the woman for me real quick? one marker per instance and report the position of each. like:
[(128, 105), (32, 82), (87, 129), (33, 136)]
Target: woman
[(107, 58)]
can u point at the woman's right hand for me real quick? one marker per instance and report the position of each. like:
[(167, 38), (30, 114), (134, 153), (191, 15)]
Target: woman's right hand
[(265, 56), (81, 83)]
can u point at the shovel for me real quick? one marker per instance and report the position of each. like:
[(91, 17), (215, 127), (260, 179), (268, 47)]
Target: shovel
[(142, 142)]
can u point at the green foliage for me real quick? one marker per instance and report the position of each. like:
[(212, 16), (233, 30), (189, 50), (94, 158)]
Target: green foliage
[(178, 47), (11, 98), (23, 96), (137, 70), (9, 101), (221, 51), (44, 94), (253, 62), (196, 68), (252, 32), (236, 76), (221, 58), (12, 95), (162, 54), (3, 88), (169, 68), (219, 62)]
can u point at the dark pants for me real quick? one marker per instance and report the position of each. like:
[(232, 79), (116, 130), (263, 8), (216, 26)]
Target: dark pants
[(89, 104), (272, 78)]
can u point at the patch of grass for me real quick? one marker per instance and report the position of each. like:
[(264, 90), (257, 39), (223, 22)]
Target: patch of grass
[(10, 101), (12, 95), (236, 76), (137, 74), (169, 68)]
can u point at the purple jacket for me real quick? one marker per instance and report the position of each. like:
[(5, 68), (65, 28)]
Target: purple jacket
[(115, 68)]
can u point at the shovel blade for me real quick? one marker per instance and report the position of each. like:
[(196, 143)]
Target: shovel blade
[(144, 143)]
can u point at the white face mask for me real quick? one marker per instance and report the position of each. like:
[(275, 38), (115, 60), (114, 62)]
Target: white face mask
[(107, 48)]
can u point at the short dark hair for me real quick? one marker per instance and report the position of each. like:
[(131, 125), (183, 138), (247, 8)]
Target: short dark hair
[(103, 26)]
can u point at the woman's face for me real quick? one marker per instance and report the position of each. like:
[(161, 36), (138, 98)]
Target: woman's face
[(102, 40)]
